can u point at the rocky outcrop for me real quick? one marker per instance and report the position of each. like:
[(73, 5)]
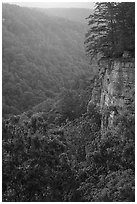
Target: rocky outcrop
[(112, 88)]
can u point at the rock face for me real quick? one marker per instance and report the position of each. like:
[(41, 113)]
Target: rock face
[(112, 90)]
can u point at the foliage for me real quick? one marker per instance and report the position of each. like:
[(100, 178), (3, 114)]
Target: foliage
[(35, 164), (57, 151), (40, 55), (73, 162), (112, 29), (111, 164), (72, 104)]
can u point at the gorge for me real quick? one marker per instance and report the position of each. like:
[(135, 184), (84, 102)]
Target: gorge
[(68, 123)]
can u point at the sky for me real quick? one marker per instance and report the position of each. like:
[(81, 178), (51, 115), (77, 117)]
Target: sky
[(55, 4)]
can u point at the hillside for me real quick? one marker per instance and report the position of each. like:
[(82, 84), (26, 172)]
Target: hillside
[(73, 14), (41, 55), (75, 140)]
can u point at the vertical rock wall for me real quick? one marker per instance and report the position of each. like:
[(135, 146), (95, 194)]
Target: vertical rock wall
[(117, 83), (113, 87)]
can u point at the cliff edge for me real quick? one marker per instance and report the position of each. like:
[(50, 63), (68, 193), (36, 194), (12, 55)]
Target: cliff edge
[(113, 87)]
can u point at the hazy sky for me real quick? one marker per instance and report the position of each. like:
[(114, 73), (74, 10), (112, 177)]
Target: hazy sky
[(56, 4)]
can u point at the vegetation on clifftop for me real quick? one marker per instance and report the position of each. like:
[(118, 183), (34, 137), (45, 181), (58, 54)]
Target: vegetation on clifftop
[(112, 29), (56, 151)]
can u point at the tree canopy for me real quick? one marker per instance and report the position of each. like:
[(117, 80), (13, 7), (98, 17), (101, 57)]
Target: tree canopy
[(40, 55), (112, 29), (58, 151), (71, 162)]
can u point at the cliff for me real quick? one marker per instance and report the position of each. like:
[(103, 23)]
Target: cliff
[(113, 87)]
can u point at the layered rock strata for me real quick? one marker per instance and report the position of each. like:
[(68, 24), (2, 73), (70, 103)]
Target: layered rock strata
[(112, 87)]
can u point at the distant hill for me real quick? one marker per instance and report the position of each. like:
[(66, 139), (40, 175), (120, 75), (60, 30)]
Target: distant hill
[(41, 54), (73, 14)]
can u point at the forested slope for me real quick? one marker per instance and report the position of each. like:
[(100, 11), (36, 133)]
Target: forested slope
[(61, 150), (43, 162), (73, 14), (41, 54)]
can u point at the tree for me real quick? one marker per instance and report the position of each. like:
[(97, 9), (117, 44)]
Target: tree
[(110, 24), (69, 104), (35, 163), (126, 26), (41, 54)]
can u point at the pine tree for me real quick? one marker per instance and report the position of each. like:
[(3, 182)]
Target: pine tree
[(110, 26)]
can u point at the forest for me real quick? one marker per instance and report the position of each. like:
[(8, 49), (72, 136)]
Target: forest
[(52, 147), (41, 54)]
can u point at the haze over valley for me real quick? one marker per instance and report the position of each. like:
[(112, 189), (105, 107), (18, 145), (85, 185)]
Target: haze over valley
[(43, 51), (68, 102)]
